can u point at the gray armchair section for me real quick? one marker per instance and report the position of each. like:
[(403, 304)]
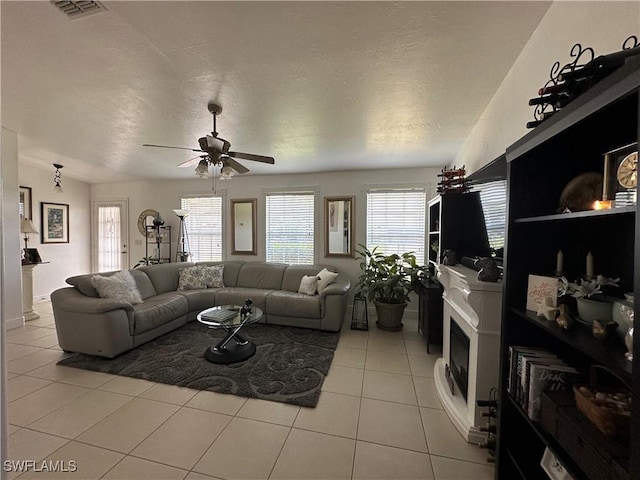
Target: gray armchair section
[(107, 327)]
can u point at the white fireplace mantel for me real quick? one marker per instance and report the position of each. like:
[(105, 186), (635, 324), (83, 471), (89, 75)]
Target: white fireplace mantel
[(477, 309)]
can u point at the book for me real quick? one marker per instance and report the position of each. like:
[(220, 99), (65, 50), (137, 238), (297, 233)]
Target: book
[(523, 372), (548, 377), (527, 363), (514, 350), (219, 315)]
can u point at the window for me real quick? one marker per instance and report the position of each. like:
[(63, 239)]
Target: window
[(396, 221), (493, 196), (203, 228), (290, 227)]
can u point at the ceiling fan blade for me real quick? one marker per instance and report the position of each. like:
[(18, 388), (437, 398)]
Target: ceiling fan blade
[(192, 161), (251, 156), (238, 167), (166, 146)]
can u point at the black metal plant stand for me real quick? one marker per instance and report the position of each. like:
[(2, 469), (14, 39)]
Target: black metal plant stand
[(359, 314)]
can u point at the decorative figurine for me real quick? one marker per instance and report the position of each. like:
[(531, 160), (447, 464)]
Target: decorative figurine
[(246, 308), (449, 258), (489, 271), (602, 329), (565, 319), (628, 341), (547, 309)]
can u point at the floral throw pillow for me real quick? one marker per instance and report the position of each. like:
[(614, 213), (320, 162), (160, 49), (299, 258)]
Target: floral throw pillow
[(192, 278), (309, 285), (213, 276), (120, 286)]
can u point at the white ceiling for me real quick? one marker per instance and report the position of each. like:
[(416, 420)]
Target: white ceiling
[(321, 86)]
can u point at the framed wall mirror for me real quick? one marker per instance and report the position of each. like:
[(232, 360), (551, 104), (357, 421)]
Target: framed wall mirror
[(338, 226), (243, 226)]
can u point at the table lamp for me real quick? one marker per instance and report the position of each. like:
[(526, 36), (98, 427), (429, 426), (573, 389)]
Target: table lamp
[(26, 227)]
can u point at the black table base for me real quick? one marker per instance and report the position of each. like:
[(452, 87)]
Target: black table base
[(233, 348)]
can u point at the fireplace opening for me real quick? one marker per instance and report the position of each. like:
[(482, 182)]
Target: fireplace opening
[(459, 357)]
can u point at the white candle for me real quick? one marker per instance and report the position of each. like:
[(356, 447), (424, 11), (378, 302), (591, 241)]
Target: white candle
[(589, 265), (559, 261)]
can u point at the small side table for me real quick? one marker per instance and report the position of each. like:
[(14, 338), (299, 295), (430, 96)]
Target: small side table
[(27, 291)]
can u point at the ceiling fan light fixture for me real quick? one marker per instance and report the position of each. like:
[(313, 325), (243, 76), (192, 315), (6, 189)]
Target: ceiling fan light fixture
[(226, 173), (202, 170)]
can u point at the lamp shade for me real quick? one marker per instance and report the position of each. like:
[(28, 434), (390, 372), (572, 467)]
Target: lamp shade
[(26, 226), (202, 170), (181, 213)]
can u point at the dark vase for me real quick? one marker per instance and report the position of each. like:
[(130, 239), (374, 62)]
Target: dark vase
[(157, 220)]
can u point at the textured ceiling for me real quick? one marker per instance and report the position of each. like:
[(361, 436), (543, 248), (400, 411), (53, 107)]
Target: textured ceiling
[(321, 86)]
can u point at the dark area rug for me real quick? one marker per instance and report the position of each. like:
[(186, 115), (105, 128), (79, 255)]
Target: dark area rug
[(289, 366)]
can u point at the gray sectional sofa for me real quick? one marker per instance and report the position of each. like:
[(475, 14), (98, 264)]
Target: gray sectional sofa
[(107, 327)]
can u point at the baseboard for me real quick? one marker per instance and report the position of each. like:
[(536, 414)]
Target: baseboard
[(371, 311), (15, 323)]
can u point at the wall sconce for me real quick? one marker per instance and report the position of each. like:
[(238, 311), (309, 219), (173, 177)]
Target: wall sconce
[(57, 179)]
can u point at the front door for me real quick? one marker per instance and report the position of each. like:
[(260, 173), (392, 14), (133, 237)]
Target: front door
[(110, 220)]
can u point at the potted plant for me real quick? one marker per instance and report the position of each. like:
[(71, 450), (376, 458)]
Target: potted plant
[(387, 280)]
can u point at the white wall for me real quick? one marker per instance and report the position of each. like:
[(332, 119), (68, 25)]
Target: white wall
[(600, 25), (65, 259), (164, 196), (10, 271)]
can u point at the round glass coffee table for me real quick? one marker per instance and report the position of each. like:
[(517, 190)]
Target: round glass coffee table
[(233, 347)]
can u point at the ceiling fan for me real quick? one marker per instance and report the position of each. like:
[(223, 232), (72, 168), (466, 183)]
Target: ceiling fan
[(215, 151)]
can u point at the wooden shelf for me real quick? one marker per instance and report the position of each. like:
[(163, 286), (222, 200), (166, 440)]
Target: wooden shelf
[(578, 215), (609, 352)]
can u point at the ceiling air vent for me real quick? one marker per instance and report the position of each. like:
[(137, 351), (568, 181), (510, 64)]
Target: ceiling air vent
[(79, 9)]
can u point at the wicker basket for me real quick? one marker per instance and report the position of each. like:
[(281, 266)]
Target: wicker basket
[(610, 422)]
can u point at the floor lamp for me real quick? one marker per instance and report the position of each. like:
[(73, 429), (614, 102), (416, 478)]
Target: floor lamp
[(182, 252)]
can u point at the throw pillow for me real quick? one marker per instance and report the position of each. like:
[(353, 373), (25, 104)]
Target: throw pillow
[(191, 278), (326, 278), (120, 285), (213, 275), (309, 285)]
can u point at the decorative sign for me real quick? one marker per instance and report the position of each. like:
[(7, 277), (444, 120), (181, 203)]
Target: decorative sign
[(540, 288)]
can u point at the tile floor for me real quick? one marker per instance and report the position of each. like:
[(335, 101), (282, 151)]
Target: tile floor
[(378, 418)]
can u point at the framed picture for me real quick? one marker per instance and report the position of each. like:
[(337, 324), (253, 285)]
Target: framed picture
[(25, 203), (54, 222)]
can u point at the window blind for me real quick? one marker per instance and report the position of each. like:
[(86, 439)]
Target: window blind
[(290, 228), (204, 228), (109, 255), (493, 196), (396, 221)]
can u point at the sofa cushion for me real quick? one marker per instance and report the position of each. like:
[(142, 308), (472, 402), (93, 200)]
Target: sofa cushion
[(199, 300), (158, 310), (309, 285), (164, 277), (326, 277), (292, 304), (85, 285), (261, 275), (191, 278), (294, 273), (213, 275), (119, 286), (145, 287), (238, 295), (230, 273)]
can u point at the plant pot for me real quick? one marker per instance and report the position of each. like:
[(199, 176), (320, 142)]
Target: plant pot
[(389, 315), (590, 310)]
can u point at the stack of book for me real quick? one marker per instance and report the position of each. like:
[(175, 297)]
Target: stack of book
[(536, 370)]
